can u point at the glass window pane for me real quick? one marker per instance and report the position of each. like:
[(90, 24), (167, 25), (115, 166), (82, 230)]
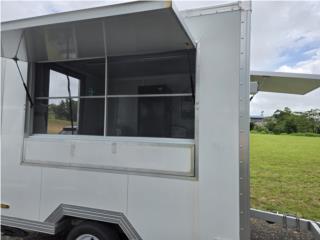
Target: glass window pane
[(58, 85), (91, 74), (171, 117), (152, 73), (40, 116), (54, 116), (87, 78), (91, 116)]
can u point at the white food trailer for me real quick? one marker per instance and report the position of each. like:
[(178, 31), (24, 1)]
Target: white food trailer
[(130, 121)]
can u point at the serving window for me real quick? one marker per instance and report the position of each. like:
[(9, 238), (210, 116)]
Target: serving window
[(121, 79), (70, 97), (150, 95)]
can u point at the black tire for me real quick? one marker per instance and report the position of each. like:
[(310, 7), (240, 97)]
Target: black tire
[(98, 230)]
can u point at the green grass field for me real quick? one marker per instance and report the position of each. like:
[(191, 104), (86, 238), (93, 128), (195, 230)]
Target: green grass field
[(285, 174)]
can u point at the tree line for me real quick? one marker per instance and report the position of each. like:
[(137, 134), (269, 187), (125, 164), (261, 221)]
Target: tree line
[(287, 121), (62, 111)]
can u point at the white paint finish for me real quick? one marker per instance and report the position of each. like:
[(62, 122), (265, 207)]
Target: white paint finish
[(20, 185), (47, 151), (219, 40), (135, 156), (81, 188), (3, 74), (166, 157), (162, 208)]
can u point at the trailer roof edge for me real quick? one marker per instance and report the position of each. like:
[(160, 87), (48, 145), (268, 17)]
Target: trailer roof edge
[(84, 14), (219, 8)]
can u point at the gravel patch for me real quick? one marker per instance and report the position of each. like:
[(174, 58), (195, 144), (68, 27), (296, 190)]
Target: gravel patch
[(260, 230)]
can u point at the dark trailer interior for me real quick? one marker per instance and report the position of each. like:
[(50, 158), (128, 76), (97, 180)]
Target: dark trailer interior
[(149, 95)]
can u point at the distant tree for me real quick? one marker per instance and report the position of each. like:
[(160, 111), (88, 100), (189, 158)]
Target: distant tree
[(286, 121), (314, 116), (270, 123), (62, 110), (252, 125)]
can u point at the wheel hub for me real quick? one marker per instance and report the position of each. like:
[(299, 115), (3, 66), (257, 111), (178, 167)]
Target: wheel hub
[(87, 237)]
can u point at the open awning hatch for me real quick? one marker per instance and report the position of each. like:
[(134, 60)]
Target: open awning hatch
[(122, 29), (279, 82)]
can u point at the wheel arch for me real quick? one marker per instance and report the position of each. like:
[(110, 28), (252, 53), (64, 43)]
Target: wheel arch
[(113, 217), (58, 220)]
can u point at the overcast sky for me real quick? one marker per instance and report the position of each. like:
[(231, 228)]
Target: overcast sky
[(285, 37)]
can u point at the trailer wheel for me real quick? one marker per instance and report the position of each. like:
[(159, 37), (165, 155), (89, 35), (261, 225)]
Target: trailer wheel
[(92, 231)]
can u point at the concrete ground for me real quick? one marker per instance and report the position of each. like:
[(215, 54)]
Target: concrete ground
[(260, 230)]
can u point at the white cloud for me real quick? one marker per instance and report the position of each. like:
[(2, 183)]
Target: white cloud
[(311, 65), (11, 10), (282, 34), (269, 102), (279, 29), (29, 8)]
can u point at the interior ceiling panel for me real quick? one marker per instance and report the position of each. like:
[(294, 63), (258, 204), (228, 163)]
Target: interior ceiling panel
[(127, 34), (147, 32)]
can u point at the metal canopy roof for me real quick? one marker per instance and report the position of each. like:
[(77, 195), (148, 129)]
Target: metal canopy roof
[(122, 29), (278, 82)]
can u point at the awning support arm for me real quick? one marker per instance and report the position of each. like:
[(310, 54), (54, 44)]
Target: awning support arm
[(190, 76), (16, 59), (70, 105), (23, 82)]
